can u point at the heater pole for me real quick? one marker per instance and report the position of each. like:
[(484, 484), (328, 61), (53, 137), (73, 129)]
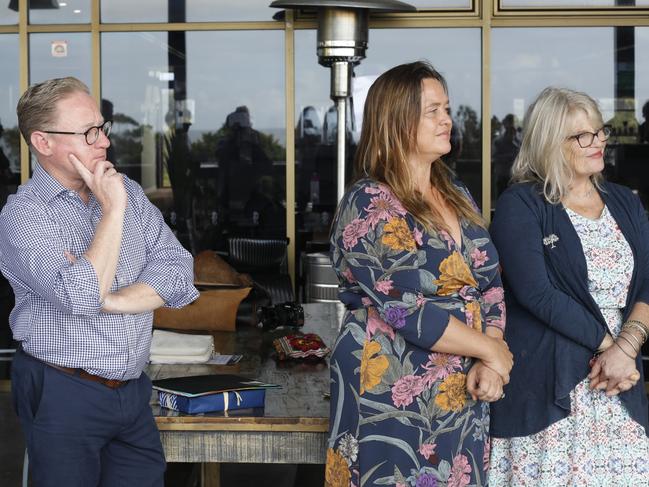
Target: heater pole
[(341, 105)]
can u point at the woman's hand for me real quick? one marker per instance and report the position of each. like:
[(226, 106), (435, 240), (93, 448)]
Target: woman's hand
[(499, 358), (607, 343), (483, 383), (614, 371)]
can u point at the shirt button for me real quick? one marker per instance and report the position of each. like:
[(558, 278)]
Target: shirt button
[(71, 194)]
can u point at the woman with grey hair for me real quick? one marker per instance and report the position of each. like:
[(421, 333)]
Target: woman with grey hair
[(574, 251)]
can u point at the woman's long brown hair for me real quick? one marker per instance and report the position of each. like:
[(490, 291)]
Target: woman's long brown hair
[(390, 120)]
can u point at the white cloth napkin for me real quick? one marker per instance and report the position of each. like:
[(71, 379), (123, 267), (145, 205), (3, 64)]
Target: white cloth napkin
[(168, 347)]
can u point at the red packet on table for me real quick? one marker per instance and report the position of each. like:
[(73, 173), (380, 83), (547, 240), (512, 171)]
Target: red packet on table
[(300, 346)]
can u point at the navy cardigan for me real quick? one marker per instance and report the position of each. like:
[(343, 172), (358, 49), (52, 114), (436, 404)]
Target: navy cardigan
[(553, 323)]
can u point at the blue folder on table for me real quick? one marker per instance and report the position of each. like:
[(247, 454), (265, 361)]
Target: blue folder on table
[(211, 393)]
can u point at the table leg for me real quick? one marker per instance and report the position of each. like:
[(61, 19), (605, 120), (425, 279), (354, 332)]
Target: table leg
[(210, 475)]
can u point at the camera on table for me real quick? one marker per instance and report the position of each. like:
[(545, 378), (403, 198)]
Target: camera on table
[(282, 314)]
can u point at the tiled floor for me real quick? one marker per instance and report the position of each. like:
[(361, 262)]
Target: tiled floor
[(178, 475)]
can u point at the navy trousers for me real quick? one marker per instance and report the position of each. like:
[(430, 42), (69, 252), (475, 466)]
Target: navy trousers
[(81, 433)]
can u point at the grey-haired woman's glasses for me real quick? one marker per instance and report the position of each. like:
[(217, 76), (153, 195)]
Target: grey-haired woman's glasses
[(585, 139)]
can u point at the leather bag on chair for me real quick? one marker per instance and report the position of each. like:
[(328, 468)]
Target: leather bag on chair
[(215, 309)]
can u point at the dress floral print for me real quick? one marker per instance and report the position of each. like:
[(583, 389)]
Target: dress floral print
[(598, 444), (400, 413)]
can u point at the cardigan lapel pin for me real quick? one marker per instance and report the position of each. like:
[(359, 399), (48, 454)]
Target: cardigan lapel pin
[(550, 240)]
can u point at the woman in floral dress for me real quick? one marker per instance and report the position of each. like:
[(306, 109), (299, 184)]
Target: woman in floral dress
[(420, 353), (575, 257)]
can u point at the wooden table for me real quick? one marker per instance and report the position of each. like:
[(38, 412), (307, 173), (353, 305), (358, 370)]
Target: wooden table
[(292, 428)]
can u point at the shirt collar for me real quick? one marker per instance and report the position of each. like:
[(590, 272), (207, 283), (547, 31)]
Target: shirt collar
[(46, 185)]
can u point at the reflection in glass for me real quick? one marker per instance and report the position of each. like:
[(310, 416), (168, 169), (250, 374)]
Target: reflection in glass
[(506, 142), (9, 164), (611, 64), (129, 11), (58, 55), (433, 5), (9, 13), (59, 11), (185, 10), (315, 136), (642, 82), (200, 130), (9, 133), (571, 3)]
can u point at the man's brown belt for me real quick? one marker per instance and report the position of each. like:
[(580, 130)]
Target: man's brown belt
[(112, 383)]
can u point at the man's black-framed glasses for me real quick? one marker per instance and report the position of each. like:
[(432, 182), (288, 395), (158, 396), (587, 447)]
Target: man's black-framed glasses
[(91, 135), (585, 139)]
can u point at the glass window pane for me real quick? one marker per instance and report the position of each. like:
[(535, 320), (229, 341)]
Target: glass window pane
[(59, 11), (316, 116), (571, 3), (183, 10), (229, 10), (642, 82), (9, 13), (128, 11), (9, 133), (9, 165), (58, 55), (462, 72), (433, 5), (203, 130), (524, 61), (610, 64)]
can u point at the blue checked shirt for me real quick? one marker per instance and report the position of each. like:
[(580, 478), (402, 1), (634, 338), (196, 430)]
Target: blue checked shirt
[(44, 231)]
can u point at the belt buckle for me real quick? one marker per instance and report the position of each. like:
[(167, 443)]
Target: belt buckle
[(112, 383)]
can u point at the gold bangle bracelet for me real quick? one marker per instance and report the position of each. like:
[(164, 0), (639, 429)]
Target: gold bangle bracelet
[(629, 342), (624, 351), (639, 323), (635, 338), (628, 326)]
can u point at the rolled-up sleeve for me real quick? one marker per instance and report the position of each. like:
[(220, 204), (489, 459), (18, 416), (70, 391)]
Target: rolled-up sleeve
[(82, 286), (34, 257)]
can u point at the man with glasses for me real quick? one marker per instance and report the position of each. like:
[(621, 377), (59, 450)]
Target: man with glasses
[(89, 258)]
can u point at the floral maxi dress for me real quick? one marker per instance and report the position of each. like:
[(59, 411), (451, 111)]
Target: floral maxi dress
[(400, 413)]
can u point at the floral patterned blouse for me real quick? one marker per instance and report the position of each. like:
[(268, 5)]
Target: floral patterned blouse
[(598, 444), (400, 413)]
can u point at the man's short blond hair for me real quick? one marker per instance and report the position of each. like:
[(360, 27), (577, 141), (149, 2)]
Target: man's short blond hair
[(36, 109)]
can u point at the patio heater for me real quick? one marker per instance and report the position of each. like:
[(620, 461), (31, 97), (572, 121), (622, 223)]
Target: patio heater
[(342, 41)]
